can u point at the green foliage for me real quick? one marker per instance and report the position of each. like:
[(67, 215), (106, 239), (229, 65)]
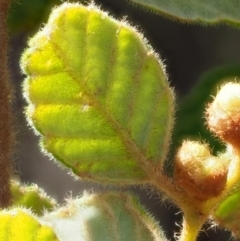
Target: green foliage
[(93, 217), (20, 225), (31, 196), (27, 15), (115, 115), (98, 95), (105, 217), (206, 11), (189, 117), (227, 214)]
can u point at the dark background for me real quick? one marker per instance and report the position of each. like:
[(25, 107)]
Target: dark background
[(188, 51)]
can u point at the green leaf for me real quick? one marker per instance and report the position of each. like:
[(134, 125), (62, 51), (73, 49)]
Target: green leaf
[(98, 94), (227, 215), (207, 11), (32, 197), (20, 225), (104, 217)]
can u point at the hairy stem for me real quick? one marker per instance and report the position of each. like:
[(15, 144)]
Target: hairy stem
[(6, 136), (192, 223), (195, 215)]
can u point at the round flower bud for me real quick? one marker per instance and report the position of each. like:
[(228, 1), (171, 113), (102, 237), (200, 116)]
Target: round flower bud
[(223, 114)]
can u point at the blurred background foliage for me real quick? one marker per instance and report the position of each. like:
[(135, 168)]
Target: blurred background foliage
[(190, 121), (27, 15), (198, 59)]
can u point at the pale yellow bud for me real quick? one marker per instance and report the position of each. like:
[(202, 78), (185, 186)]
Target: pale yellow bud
[(223, 114), (200, 174)]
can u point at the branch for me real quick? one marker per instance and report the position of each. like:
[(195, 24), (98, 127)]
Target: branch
[(6, 136)]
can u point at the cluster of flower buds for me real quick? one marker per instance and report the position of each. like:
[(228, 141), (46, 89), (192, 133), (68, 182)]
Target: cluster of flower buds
[(200, 174)]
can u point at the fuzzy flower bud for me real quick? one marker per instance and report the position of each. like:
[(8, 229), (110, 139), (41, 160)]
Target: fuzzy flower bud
[(223, 114), (200, 174)]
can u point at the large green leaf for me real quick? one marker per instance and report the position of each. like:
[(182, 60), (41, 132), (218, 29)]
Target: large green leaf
[(210, 11), (20, 225), (98, 94), (104, 217)]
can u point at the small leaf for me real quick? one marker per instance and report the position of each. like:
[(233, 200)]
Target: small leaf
[(20, 225), (207, 11), (98, 94), (104, 217), (227, 215), (32, 197)]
